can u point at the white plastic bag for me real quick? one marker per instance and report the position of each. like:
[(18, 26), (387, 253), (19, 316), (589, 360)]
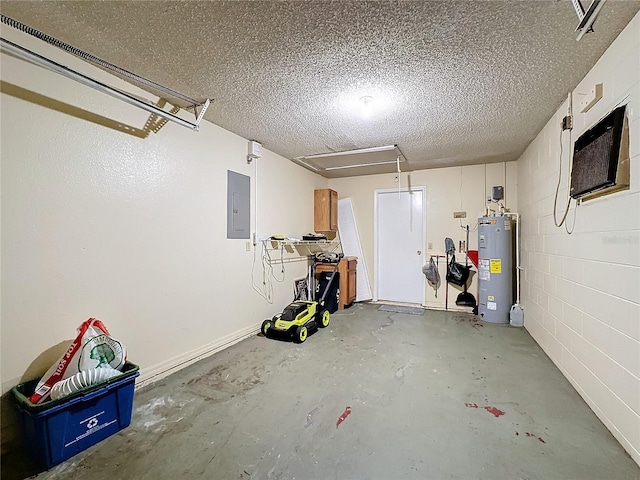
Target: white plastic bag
[(93, 348)]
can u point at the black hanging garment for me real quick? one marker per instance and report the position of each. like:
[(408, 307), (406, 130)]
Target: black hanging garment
[(457, 273)]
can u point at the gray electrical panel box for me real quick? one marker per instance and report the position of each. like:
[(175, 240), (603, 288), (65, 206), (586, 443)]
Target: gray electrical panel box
[(238, 205)]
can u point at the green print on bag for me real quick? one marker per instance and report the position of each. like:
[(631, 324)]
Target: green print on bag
[(101, 351)]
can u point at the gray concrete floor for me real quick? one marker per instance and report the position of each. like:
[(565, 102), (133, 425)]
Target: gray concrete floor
[(438, 396)]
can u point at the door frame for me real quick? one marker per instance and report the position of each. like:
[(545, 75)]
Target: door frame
[(376, 252)]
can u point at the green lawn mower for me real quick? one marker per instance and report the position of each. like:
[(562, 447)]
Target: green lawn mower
[(301, 316)]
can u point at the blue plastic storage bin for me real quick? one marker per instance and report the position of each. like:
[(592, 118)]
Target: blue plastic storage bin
[(57, 430)]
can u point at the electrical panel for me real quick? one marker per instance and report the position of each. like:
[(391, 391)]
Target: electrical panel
[(238, 205)]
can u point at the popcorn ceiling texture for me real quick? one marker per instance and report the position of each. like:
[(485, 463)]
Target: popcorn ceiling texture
[(454, 83)]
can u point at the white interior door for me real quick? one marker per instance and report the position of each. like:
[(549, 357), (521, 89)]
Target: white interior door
[(400, 232)]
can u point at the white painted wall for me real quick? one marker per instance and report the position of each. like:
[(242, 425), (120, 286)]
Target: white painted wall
[(448, 189), (581, 292), (98, 222)]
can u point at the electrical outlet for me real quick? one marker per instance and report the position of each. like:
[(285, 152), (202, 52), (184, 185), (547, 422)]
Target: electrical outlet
[(248, 246), (567, 123), (430, 246), (459, 214)]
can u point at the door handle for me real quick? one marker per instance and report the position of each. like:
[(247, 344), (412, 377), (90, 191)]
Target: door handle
[(419, 252)]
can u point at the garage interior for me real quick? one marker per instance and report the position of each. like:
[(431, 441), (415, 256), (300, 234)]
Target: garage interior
[(123, 214)]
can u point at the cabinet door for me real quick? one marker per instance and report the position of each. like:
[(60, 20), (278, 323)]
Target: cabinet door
[(325, 210), (352, 282), (333, 210)]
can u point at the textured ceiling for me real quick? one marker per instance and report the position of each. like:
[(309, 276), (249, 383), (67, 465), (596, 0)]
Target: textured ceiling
[(452, 82)]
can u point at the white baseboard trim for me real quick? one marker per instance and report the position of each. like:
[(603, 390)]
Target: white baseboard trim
[(390, 302), (454, 308), (159, 371)]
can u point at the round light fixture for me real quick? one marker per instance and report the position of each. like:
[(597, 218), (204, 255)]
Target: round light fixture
[(365, 103), (367, 107)]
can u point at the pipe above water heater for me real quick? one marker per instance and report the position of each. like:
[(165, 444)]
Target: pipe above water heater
[(518, 268)]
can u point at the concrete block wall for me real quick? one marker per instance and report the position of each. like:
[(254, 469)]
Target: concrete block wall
[(581, 291)]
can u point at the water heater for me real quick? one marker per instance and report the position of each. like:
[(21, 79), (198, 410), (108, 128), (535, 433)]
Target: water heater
[(495, 268)]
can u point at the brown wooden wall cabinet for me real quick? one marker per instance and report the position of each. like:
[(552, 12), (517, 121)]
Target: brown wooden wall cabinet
[(325, 210), (347, 270)]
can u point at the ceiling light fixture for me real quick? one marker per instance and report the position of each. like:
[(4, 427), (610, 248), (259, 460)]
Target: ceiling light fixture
[(366, 109), (366, 103)]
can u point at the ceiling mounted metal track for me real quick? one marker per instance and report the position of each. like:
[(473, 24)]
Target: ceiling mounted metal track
[(96, 84), (587, 18)]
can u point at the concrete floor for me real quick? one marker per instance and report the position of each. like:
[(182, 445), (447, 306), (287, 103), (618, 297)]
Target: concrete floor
[(439, 396)]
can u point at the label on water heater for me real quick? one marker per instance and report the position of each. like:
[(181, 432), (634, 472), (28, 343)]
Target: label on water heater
[(496, 265), (492, 306), (483, 269)]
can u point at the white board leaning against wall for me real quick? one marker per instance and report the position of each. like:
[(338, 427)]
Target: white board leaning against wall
[(351, 247)]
